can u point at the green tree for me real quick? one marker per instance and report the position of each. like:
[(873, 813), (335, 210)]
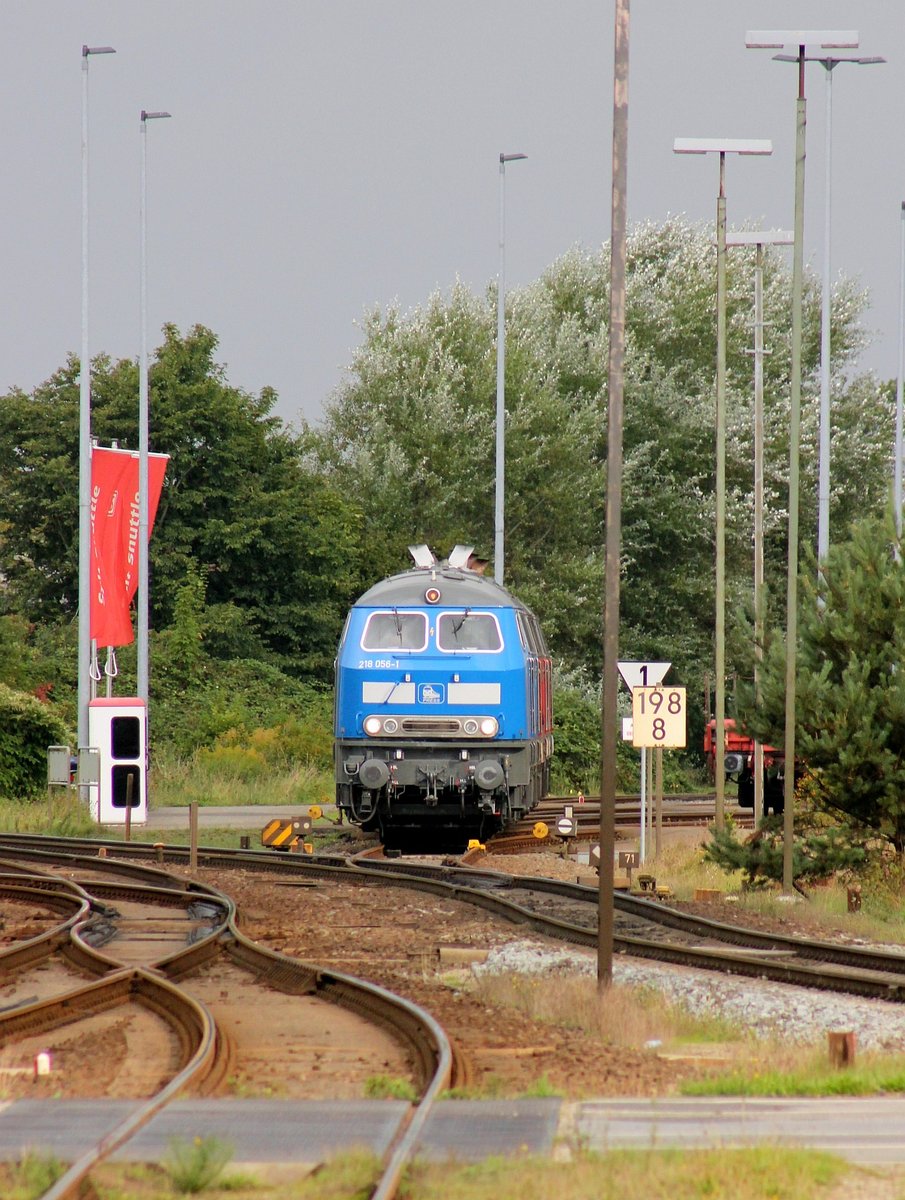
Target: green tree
[(850, 690), (276, 542), (413, 432)]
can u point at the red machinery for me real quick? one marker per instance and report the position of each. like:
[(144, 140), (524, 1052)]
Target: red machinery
[(738, 763)]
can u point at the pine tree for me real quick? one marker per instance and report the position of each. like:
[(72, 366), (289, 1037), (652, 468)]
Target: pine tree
[(850, 702)]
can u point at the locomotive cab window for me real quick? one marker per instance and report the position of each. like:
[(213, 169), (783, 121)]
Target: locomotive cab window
[(395, 630), (471, 631)]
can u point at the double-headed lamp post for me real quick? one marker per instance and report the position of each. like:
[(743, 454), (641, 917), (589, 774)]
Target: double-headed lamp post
[(722, 147), (899, 375), (84, 639), (143, 424), (829, 63), (773, 39), (499, 506)]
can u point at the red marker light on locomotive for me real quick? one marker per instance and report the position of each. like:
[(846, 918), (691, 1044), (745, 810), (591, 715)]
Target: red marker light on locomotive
[(432, 595)]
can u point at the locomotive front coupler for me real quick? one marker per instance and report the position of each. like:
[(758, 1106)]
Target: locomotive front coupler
[(431, 799)]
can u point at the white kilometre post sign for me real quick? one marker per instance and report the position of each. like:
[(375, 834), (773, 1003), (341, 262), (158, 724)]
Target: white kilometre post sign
[(635, 675), (658, 719)]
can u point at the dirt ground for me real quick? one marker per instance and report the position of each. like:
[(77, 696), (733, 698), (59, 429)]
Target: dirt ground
[(417, 945), (409, 942)]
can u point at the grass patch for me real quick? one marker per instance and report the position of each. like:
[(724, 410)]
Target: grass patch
[(759, 1173), (236, 780), (349, 1176), (387, 1087), (824, 912), (810, 1076), (624, 1016), (63, 815), (762, 1173), (31, 1177), (541, 1089), (193, 1166)]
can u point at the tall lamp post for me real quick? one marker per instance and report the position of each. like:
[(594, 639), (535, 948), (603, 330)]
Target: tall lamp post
[(900, 372), (143, 436), (84, 639), (612, 554), (722, 147), (759, 239), (829, 63), (498, 518), (825, 39)]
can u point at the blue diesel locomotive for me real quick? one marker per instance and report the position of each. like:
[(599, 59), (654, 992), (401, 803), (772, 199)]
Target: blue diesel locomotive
[(443, 719)]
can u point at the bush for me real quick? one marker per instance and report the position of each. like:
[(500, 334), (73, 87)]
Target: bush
[(298, 742), (229, 701), (576, 760), (27, 728), (576, 732)]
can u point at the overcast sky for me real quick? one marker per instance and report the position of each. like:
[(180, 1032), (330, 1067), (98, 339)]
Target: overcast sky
[(326, 156)]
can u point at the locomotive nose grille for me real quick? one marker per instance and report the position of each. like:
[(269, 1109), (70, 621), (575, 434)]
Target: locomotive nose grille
[(429, 725)]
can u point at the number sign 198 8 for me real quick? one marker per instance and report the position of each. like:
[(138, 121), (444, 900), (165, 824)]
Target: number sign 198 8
[(658, 716)]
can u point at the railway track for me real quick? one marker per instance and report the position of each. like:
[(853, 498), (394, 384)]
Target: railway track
[(489, 889), (676, 810), (650, 929), (198, 927), (646, 928)]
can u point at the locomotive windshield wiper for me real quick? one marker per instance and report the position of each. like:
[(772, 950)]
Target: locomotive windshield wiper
[(398, 625), (459, 624)]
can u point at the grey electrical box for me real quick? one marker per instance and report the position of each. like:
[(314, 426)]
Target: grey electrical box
[(58, 766), (89, 774)]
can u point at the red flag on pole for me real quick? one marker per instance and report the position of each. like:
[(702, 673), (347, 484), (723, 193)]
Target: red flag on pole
[(114, 538)]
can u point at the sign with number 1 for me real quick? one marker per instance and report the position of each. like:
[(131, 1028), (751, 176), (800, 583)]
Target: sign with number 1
[(658, 716)]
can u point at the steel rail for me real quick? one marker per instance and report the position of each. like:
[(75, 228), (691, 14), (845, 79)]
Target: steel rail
[(202, 1061), (864, 982), (430, 1052), (337, 868), (883, 982), (64, 899), (865, 958)]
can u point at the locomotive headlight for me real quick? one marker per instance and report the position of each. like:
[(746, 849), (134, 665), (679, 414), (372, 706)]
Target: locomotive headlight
[(390, 725), (372, 726), (489, 726), (470, 726)]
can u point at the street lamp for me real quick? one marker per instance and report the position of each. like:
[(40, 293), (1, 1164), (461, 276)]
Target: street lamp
[(825, 39), (759, 239), (501, 378), (143, 568), (722, 147), (84, 639), (897, 470), (828, 62)]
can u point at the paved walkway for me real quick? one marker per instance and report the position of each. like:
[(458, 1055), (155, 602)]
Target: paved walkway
[(864, 1130), (215, 816)]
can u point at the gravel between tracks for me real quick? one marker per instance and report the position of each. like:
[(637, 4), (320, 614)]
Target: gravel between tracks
[(791, 1014)]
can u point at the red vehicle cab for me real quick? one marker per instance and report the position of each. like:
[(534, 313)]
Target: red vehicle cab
[(738, 763)]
